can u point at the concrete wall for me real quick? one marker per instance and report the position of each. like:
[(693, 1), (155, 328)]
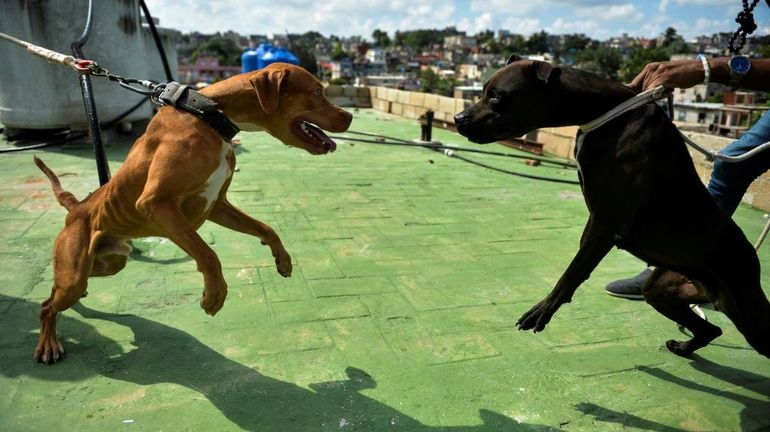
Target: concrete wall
[(414, 104), (561, 142), (349, 96)]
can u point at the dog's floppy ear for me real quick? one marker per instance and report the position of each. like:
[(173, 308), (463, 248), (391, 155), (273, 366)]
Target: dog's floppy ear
[(268, 88), (515, 57), (546, 72)]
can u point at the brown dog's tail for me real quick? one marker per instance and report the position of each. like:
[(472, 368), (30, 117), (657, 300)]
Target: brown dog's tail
[(66, 199)]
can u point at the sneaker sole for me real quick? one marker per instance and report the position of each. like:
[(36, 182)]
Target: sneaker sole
[(626, 296)]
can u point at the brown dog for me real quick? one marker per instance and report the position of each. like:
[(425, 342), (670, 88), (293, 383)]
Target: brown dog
[(174, 178), (643, 195)]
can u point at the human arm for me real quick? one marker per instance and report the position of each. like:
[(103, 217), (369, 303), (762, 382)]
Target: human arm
[(688, 73)]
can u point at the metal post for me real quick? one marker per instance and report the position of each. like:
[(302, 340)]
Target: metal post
[(95, 130), (427, 127), (102, 169)]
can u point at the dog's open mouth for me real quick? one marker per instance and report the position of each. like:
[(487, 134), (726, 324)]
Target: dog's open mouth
[(314, 136)]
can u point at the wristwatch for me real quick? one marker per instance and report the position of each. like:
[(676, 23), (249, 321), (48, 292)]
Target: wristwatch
[(739, 66)]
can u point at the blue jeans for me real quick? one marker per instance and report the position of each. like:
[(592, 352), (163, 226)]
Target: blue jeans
[(729, 180)]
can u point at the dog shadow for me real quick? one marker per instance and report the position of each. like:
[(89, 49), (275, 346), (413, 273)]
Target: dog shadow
[(624, 419), (753, 408), (251, 400)]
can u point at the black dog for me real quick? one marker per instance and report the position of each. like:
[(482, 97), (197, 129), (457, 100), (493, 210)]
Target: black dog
[(643, 195)]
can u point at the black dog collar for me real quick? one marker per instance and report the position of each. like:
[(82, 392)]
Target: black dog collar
[(186, 99)]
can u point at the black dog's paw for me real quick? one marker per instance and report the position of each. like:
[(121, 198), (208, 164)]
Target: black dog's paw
[(536, 318), (682, 349)]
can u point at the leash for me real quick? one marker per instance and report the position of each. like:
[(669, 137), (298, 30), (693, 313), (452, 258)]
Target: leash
[(174, 94), (452, 152), (653, 95)]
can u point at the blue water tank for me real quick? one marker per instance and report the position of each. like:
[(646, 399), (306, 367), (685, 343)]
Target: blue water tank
[(277, 55), (250, 58)]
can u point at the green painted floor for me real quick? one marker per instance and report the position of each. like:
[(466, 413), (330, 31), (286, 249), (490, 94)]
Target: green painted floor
[(410, 271)]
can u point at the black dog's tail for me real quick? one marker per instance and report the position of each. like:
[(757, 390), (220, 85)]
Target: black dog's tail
[(66, 199)]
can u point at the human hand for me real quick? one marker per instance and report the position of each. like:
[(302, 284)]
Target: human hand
[(669, 74)]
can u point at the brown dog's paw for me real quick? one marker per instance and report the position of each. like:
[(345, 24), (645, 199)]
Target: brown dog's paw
[(283, 264), (213, 300), (49, 351)]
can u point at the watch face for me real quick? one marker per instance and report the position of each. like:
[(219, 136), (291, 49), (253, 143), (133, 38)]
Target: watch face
[(740, 64)]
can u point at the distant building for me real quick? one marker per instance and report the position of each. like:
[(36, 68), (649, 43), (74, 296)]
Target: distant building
[(469, 72), (206, 69), (342, 69), (698, 93), (459, 42)]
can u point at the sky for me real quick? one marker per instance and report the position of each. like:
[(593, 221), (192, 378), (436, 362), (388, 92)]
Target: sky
[(598, 19)]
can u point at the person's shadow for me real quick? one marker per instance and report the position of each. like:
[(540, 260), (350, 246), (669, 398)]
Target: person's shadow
[(246, 397), (754, 409)]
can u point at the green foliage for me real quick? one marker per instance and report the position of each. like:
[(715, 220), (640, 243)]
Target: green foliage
[(717, 98), (421, 39), (485, 36), (431, 82), (303, 46), (639, 59), (339, 54), (764, 50), (224, 48), (603, 61), (576, 42), (515, 44), (674, 43), (537, 43), (381, 38)]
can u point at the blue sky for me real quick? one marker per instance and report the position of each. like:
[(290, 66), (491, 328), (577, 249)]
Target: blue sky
[(598, 19)]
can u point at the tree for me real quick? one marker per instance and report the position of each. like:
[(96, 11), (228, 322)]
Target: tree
[(674, 43), (338, 53), (428, 80), (575, 42), (381, 38), (603, 61), (303, 46), (638, 59), (485, 36), (514, 44), (431, 82), (538, 43), (224, 48)]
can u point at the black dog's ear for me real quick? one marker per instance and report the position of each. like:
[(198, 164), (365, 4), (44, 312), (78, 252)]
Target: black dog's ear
[(516, 57), (546, 72)]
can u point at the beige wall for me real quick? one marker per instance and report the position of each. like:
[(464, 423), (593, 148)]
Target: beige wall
[(348, 96), (414, 104)]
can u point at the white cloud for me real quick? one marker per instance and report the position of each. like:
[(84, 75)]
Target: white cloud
[(663, 6), (625, 12), (705, 2), (507, 7), (564, 26), (523, 26)]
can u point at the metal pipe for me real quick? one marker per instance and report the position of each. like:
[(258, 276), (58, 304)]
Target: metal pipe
[(102, 168)]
